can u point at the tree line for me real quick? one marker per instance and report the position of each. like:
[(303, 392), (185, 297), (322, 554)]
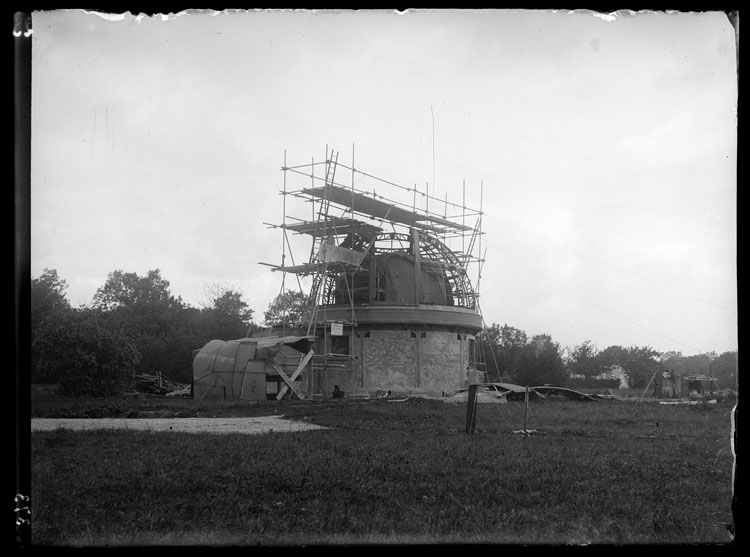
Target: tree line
[(135, 325), (510, 355)]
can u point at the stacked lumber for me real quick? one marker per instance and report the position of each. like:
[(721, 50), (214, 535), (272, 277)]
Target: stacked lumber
[(185, 392), (158, 385)]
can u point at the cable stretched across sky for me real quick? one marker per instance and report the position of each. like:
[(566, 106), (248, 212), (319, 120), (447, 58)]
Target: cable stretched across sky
[(599, 260), (594, 304)]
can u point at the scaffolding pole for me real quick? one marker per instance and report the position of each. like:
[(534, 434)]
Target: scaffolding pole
[(444, 228), (463, 214), (481, 213)]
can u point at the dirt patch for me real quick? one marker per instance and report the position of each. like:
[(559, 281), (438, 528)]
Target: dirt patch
[(251, 426)]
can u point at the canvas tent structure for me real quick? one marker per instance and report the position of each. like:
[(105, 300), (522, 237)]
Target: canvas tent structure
[(250, 369)]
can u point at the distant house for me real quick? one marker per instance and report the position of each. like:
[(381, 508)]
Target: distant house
[(616, 372), (613, 372)]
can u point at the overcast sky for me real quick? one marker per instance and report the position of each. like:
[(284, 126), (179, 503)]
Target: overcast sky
[(606, 146)]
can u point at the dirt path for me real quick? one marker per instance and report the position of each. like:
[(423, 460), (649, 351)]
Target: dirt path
[(250, 426)]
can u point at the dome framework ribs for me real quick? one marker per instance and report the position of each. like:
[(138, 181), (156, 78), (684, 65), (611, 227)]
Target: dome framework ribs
[(354, 241)]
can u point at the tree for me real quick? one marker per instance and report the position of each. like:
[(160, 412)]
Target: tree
[(143, 309), (83, 356), (673, 361), (128, 289), (699, 364), (668, 356), (540, 362), (639, 365), (49, 310), (583, 360), (287, 307), (502, 347), (48, 299), (228, 315), (488, 339), (724, 368), (613, 355), (230, 303)]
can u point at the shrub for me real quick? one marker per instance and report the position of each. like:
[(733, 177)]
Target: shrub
[(84, 357)]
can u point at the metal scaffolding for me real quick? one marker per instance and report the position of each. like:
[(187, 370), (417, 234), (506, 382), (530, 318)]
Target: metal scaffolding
[(375, 222), (352, 229)]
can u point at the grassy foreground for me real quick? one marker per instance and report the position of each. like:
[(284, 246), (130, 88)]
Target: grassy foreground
[(607, 472)]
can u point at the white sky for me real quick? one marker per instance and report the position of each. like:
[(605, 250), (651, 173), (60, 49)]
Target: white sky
[(606, 146)]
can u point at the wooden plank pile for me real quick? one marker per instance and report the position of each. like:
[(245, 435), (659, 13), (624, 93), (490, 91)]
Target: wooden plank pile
[(184, 392), (159, 385)]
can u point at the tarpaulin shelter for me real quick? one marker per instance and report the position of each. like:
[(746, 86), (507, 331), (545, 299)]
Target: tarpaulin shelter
[(239, 369)]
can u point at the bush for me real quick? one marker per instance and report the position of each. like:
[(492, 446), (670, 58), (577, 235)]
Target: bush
[(84, 357)]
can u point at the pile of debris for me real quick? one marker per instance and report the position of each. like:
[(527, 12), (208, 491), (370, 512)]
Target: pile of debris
[(483, 395), (159, 385)]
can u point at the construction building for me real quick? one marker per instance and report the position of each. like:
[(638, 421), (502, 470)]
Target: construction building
[(675, 385), (393, 306)]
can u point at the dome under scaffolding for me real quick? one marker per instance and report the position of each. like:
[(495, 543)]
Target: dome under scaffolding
[(392, 304)]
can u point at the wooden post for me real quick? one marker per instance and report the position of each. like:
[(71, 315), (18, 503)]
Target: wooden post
[(474, 412), (417, 266), (290, 381), (283, 375), (649, 383), (471, 409), (526, 411), (526, 432)]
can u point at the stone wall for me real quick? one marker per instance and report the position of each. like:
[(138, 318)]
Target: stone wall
[(410, 361), (389, 360), (402, 361)]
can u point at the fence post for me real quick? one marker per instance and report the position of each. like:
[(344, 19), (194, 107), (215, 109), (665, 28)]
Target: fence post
[(471, 409), (526, 410)]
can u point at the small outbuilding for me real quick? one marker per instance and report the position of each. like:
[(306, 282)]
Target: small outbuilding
[(250, 368), (675, 385)]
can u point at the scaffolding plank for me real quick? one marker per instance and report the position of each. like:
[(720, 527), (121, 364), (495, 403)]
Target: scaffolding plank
[(366, 205), (331, 225), (310, 268)]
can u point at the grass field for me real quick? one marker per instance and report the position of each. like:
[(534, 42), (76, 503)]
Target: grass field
[(605, 472)]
